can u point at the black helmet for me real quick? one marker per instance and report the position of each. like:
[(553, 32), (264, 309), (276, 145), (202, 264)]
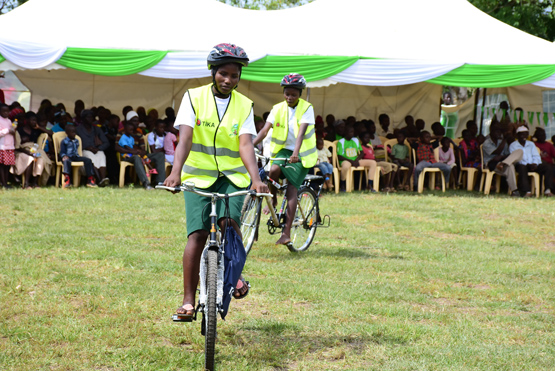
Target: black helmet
[(293, 80), (227, 53)]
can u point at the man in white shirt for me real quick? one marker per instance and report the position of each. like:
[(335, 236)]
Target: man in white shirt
[(531, 162)]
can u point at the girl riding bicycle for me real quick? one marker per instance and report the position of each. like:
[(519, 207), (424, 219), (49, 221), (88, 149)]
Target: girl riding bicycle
[(293, 137), (215, 152)]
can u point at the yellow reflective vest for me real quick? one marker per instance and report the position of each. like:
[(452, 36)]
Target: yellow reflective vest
[(215, 148), (280, 129)]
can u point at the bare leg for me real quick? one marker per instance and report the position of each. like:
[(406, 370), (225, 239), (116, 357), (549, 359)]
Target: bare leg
[(28, 176), (191, 267), (291, 195), (4, 175), (275, 173)]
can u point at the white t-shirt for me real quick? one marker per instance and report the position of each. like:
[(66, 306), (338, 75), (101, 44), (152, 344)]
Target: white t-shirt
[(308, 118), (186, 115), (155, 140)]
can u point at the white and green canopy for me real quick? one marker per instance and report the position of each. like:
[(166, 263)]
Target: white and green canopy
[(362, 42), (372, 56)]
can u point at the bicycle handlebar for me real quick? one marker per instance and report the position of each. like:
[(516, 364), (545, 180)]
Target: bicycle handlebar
[(190, 187), (262, 157)]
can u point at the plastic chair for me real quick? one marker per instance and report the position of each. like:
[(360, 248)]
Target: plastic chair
[(390, 143), (333, 149), (75, 165), (432, 171), (468, 173), (487, 176), (125, 164)]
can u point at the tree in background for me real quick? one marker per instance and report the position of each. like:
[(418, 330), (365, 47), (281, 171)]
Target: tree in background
[(7, 5), (266, 4), (537, 17)]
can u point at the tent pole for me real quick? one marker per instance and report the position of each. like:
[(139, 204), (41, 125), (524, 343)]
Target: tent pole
[(482, 114), (476, 100), (308, 94), (93, 88), (173, 94)]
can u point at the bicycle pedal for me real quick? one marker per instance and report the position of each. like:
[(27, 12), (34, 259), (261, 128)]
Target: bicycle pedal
[(181, 318)]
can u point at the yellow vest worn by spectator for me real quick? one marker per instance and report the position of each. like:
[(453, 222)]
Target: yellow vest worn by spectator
[(308, 152), (215, 147)]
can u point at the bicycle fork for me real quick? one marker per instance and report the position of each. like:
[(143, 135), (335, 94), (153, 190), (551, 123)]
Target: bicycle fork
[(213, 244)]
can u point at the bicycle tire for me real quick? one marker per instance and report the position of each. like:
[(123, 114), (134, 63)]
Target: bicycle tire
[(211, 310), (304, 230), (250, 220)]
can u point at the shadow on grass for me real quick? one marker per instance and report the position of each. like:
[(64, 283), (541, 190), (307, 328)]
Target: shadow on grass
[(277, 344), (353, 252)]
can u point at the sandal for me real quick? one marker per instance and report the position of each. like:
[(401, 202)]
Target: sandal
[(153, 171), (186, 312), (241, 284)]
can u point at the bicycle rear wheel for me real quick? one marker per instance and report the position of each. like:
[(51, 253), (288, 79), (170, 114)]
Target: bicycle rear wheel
[(250, 219), (305, 222), (211, 310)]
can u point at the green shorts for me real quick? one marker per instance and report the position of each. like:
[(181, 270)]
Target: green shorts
[(197, 208), (294, 173)]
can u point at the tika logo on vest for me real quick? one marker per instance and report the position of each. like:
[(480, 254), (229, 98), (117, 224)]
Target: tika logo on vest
[(206, 124)]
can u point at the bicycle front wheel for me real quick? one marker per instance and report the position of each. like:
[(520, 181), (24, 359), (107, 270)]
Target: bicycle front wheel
[(250, 219), (211, 309), (304, 225)]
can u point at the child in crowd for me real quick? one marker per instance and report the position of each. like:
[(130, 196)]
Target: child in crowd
[(7, 142), (324, 164), (401, 157), (447, 156), (388, 168), (170, 142), (156, 137), (69, 152), (129, 141), (375, 140), (547, 150), (425, 156), (349, 153), (470, 150)]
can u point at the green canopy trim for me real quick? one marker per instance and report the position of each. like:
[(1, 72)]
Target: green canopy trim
[(495, 76), (2, 59), (272, 68), (110, 62)]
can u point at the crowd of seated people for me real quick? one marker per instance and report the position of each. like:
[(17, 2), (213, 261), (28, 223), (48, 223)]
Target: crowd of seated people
[(95, 137), (148, 142), (508, 150)]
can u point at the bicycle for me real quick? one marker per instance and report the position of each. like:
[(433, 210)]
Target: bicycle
[(211, 271), (307, 216)]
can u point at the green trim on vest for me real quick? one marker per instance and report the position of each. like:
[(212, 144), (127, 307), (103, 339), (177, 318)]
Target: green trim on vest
[(308, 152), (215, 147)]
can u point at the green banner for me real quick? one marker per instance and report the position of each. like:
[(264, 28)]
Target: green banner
[(530, 118), (110, 62), (2, 59), (272, 68), (545, 119), (495, 76)]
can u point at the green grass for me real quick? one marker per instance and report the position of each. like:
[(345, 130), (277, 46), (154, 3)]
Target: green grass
[(89, 279)]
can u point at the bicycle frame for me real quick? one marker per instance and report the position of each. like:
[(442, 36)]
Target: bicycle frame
[(213, 243)]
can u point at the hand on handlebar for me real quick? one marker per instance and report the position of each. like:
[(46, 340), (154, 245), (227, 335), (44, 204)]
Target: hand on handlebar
[(294, 158), (173, 180), (260, 187)]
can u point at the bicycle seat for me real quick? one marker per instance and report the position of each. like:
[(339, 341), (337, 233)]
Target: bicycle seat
[(313, 177)]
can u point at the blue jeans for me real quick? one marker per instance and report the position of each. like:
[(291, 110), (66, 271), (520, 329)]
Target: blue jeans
[(445, 169), (326, 168)]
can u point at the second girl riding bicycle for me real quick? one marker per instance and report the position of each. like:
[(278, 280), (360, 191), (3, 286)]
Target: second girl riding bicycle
[(293, 137)]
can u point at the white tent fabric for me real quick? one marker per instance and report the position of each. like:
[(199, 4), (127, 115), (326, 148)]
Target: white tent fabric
[(183, 65), (402, 29), (403, 36), (30, 55), (387, 72)]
